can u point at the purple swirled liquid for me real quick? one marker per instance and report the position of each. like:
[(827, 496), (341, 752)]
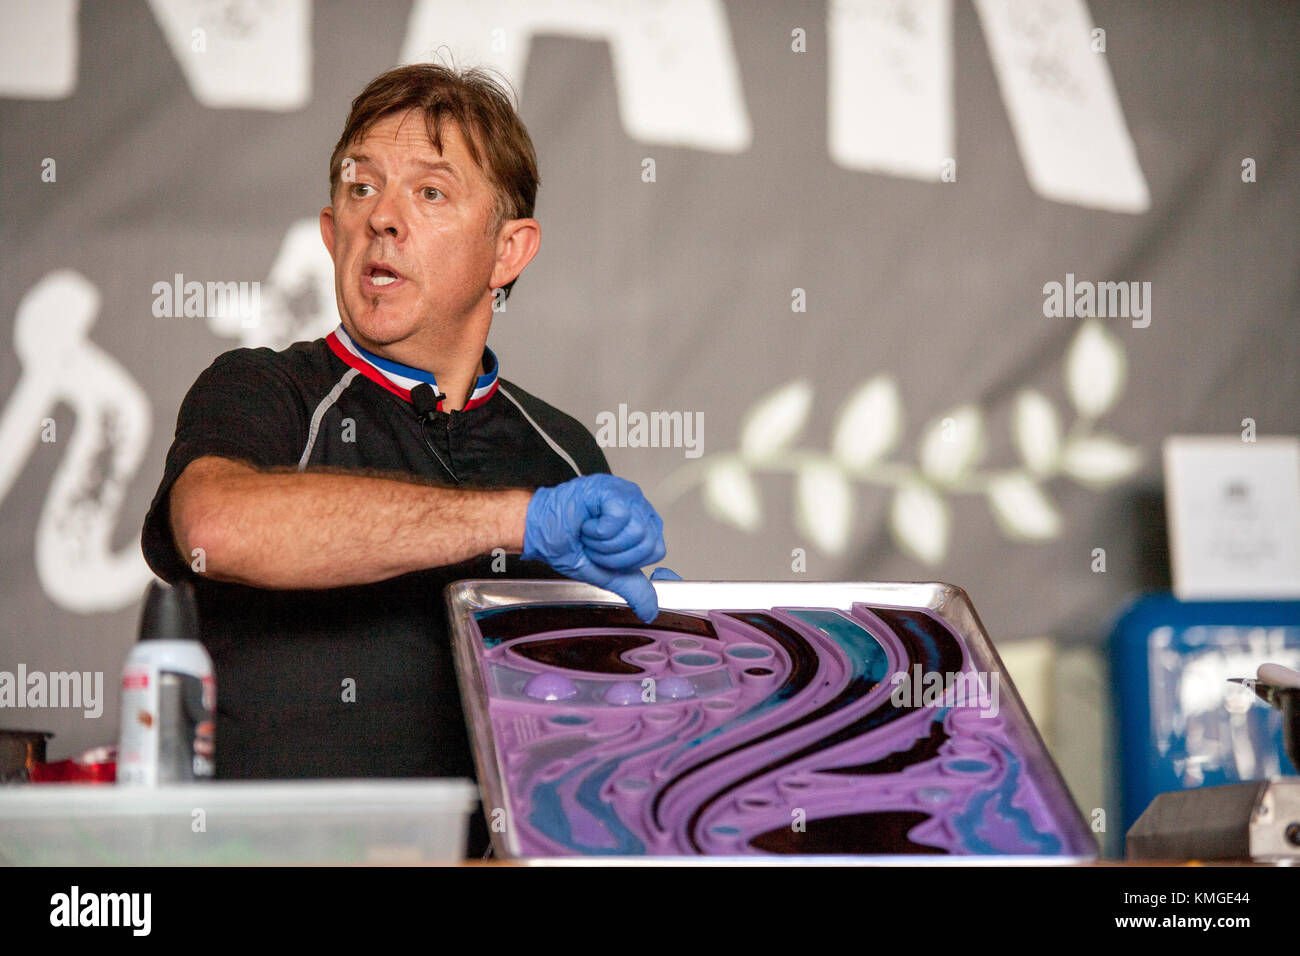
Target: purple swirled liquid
[(790, 730)]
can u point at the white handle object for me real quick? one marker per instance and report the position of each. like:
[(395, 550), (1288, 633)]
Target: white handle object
[(1278, 676)]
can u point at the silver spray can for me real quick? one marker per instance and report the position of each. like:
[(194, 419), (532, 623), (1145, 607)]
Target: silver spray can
[(168, 695)]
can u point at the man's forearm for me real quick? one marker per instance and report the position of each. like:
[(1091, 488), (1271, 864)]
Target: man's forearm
[(317, 529)]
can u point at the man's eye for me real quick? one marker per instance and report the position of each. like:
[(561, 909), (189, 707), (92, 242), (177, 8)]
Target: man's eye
[(437, 193), (356, 186)]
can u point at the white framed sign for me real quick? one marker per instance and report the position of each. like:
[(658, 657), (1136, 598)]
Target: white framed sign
[(1234, 516)]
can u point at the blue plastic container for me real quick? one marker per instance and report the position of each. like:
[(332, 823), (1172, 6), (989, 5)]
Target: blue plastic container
[(1182, 725)]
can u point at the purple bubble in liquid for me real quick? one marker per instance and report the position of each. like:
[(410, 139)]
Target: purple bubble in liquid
[(551, 687), (674, 688), (622, 693)]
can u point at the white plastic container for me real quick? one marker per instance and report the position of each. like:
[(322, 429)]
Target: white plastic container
[(237, 822)]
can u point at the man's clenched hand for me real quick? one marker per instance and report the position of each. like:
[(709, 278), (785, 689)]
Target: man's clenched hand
[(599, 529)]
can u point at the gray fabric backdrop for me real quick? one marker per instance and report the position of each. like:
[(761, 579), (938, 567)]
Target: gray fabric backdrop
[(861, 333)]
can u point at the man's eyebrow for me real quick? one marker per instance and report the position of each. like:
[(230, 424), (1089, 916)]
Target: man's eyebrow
[(441, 166)]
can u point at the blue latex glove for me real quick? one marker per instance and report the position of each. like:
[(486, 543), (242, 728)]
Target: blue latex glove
[(599, 529), (664, 574)]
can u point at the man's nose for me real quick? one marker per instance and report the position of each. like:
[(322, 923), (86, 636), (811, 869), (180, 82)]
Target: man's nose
[(386, 215)]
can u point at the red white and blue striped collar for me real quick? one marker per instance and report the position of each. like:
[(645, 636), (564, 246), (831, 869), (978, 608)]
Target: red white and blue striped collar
[(400, 379)]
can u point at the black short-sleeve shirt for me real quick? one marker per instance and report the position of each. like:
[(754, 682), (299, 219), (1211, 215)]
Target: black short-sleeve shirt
[(284, 659)]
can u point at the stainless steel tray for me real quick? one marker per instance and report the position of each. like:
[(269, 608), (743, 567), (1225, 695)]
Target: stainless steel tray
[(465, 599)]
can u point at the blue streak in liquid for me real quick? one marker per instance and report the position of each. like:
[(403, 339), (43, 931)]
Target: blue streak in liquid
[(549, 819), (967, 821)]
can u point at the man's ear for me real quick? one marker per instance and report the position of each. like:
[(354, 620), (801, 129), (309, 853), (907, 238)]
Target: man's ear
[(327, 229), (517, 243)]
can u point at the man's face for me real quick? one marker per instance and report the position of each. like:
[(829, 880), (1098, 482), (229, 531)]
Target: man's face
[(409, 235)]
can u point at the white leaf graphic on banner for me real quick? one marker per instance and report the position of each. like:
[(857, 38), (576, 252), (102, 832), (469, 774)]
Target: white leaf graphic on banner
[(919, 520), (1021, 508), (950, 452), (869, 423), (731, 495), (824, 506), (1037, 431), (1094, 369), (1099, 461), (776, 420), (953, 444)]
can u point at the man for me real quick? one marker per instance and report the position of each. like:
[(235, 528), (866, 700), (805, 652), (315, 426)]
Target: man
[(322, 497)]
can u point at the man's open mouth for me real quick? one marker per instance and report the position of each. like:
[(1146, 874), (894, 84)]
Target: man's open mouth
[(380, 276)]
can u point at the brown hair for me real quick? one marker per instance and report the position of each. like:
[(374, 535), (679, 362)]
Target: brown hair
[(481, 109)]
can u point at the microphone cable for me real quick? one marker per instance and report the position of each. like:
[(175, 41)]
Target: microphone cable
[(425, 400)]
